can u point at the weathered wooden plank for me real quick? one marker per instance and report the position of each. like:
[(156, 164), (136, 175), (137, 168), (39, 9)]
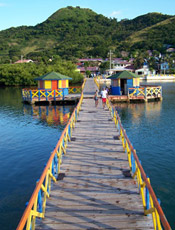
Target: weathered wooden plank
[(97, 191)]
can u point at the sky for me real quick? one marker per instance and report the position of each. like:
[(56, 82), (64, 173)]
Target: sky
[(15, 13)]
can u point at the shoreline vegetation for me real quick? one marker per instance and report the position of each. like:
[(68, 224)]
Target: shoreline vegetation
[(23, 74)]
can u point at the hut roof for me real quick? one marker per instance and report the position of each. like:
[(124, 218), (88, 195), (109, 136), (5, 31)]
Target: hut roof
[(124, 75), (53, 76)]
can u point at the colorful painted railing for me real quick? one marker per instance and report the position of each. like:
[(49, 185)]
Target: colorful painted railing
[(39, 95), (96, 82), (150, 202), (153, 91), (136, 92), (37, 204), (146, 91), (75, 89), (30, 94)]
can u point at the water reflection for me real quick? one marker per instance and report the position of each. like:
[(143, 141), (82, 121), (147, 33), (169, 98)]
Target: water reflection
[(28, 136), (136, 111), (51, 115)]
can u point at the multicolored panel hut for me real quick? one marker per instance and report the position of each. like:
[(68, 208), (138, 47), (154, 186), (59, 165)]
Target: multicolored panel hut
[(122, 81), (53, 81)]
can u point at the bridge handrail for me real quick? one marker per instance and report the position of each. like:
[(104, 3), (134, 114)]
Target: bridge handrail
[(145, 91), (31, 212), (41, 93), (150, 202), (75, 89), (46, 93), (156, 90), (96, 82), (136, 91)]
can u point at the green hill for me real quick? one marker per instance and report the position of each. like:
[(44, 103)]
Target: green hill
[(77, 32), (154, 37)]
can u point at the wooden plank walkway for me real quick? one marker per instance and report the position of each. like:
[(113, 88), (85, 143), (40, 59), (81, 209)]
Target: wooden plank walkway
[(96, 191)]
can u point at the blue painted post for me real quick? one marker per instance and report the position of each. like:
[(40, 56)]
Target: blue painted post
[(159, 200), (53, 164), (30, 95), (39, 94), (40, 202), (69, 131), (54, 95), (26, 203), (137, 92), (63, 93), (46, 95), (147, 197), (56, 164), (133, 163)]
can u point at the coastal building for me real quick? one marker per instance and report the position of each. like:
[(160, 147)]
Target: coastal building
[(53, 81), (93, 69), (144, 71), (119, 65), (122, 81), (52, 87)]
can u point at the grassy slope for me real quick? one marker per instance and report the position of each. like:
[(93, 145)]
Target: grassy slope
[(142, 35)]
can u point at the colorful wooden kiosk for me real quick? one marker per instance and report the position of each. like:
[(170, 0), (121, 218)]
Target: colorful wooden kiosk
[(125, 86), (53, 81), (51, 87), (122, 81)]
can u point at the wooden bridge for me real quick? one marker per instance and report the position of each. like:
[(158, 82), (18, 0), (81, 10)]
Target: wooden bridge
[(100, 184)]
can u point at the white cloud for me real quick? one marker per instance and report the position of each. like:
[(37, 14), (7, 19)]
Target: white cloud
[(115, 13)]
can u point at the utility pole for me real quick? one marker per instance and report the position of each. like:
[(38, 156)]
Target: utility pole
[(110, 55)]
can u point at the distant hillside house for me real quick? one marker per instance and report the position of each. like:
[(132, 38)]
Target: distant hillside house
[(90, 60), (24, 61), (143, 71), (93, 69), (120, 65), (95, 61)]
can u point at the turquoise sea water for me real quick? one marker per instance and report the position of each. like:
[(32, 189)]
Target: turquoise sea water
[(28, 134), (151, 129)]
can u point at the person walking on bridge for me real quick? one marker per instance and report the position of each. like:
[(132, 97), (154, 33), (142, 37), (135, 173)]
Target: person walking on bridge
[(96, 98), (104, 94)]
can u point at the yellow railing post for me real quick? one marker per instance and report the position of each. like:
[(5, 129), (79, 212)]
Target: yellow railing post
[(138, 172)]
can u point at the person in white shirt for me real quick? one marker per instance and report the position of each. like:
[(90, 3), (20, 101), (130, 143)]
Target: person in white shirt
[(104, 94)]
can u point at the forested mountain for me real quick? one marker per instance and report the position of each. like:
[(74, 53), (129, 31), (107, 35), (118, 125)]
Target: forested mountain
[(76, 32)]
